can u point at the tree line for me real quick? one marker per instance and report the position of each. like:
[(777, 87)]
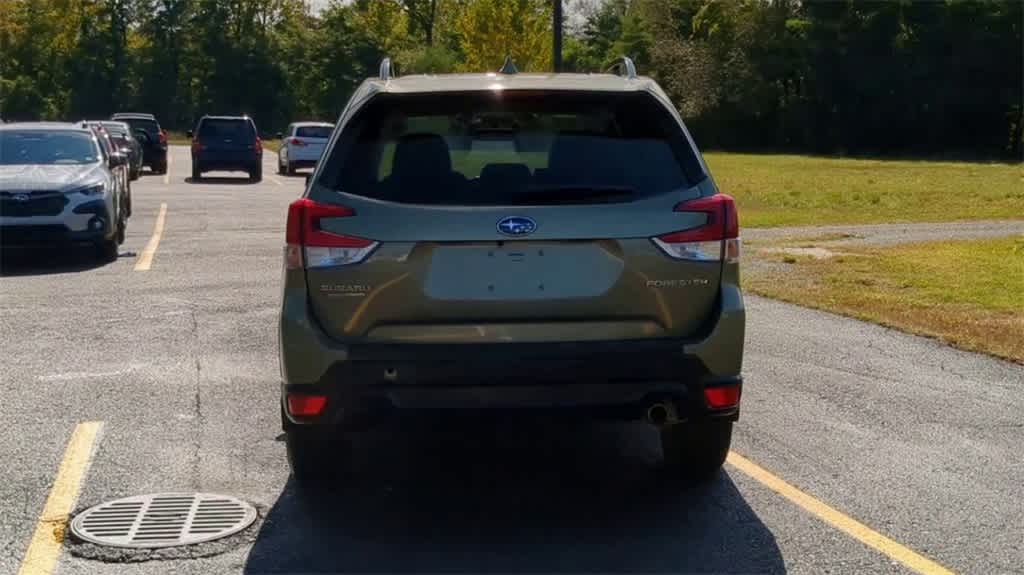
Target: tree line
[(823, 76)]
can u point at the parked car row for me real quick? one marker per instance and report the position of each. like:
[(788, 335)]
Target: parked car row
[(61, 183)]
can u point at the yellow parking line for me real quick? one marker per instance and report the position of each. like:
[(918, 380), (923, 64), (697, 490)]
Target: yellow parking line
[(895, 551), (146, 257), (167, 172), (48, 538)]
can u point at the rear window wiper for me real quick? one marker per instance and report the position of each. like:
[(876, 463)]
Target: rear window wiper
[(574, 193)]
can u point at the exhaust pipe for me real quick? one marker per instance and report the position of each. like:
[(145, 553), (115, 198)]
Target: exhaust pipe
[(661, 414)]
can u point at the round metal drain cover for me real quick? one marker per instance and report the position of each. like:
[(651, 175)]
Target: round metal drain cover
[(163, 520)]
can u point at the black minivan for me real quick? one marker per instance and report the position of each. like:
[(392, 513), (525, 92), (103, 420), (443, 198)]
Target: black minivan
[(226, 143)]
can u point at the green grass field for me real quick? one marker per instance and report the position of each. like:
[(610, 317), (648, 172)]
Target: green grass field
[(969, 293), (783, 190)]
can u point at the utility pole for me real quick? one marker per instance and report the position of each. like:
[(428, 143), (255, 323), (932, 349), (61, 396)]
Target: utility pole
[(556, 27)]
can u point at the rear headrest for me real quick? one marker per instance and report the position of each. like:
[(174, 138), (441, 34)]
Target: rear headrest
[(421, 156)]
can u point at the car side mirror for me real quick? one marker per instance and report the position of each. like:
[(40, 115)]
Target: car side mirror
[(188, 134), (117, 160)]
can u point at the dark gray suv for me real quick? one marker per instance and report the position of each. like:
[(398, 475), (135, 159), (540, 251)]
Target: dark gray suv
[(507, 242)]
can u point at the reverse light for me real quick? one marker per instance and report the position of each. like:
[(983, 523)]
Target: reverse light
[(301, 405), (308, 243), (722, 397), (716, 240)]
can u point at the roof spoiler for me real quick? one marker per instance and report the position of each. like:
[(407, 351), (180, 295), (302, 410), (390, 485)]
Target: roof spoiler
[(624, 67)]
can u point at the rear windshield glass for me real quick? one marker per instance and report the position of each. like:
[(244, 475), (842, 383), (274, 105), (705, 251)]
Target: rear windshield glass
[(511, 148), (151, 127), (37, 147), (313, 132), (235, 130)]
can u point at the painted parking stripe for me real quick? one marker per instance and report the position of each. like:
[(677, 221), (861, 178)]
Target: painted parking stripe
[(48, 538), (837, 519), (146, 257), (275, 180), (167, 171)]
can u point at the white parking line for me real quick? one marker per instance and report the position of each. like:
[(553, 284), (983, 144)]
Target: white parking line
[(275, 180), (167, 172), (146, 257)]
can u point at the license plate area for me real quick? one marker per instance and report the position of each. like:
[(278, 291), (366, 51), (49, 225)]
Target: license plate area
[(521, 271)]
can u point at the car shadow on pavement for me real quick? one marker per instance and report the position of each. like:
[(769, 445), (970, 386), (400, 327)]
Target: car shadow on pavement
[(46, 260), (544, 497), (220, 180)]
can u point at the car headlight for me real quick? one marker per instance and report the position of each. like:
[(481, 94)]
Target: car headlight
[(94, 190)]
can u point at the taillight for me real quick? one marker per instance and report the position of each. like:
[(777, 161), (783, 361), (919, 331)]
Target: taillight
[(715, 240), (163, 136), (258, 145), (306, 405), (196, 146), (308, 242), (722, 397), (296, 142)]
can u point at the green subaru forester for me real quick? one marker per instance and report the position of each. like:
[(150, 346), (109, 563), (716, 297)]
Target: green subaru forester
[(511, 241)]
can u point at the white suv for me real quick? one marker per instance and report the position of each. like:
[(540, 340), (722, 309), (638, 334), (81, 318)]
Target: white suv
[(302, 145)]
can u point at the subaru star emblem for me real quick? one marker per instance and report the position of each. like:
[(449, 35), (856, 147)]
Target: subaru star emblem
[(22, 197), (517, 226)]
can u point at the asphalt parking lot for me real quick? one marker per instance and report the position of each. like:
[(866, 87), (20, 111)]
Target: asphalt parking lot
[(859, 450)]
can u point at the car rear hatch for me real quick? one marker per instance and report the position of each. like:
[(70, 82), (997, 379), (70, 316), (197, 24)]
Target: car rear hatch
[(227, 141), (531, 217), (309, 142)]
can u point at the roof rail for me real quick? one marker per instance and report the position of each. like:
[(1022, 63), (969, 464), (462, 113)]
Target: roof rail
[(387, 71), (624, 67)]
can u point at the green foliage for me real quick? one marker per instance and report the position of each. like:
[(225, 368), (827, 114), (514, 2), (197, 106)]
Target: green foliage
[(490, 30), (827, 76)]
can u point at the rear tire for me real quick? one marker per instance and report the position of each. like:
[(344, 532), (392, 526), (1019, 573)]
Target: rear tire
[(314, 455), (256, 174), (696, 451), (290, 169), (196, 173), (160, 168)]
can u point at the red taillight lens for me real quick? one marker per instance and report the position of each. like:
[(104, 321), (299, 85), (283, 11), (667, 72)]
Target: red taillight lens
[(258, 145), (320, 247), (163, 136), (715, 240), (296, 142), (196, 146), (722, 397), (306, 405)]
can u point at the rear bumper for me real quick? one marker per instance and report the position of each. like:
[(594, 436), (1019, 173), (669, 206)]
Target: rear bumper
[(154, 156), (300, 163), (227, 162), (619, 379)]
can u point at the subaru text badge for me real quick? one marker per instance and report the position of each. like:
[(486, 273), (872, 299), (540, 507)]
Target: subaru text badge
[(516, 226)]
